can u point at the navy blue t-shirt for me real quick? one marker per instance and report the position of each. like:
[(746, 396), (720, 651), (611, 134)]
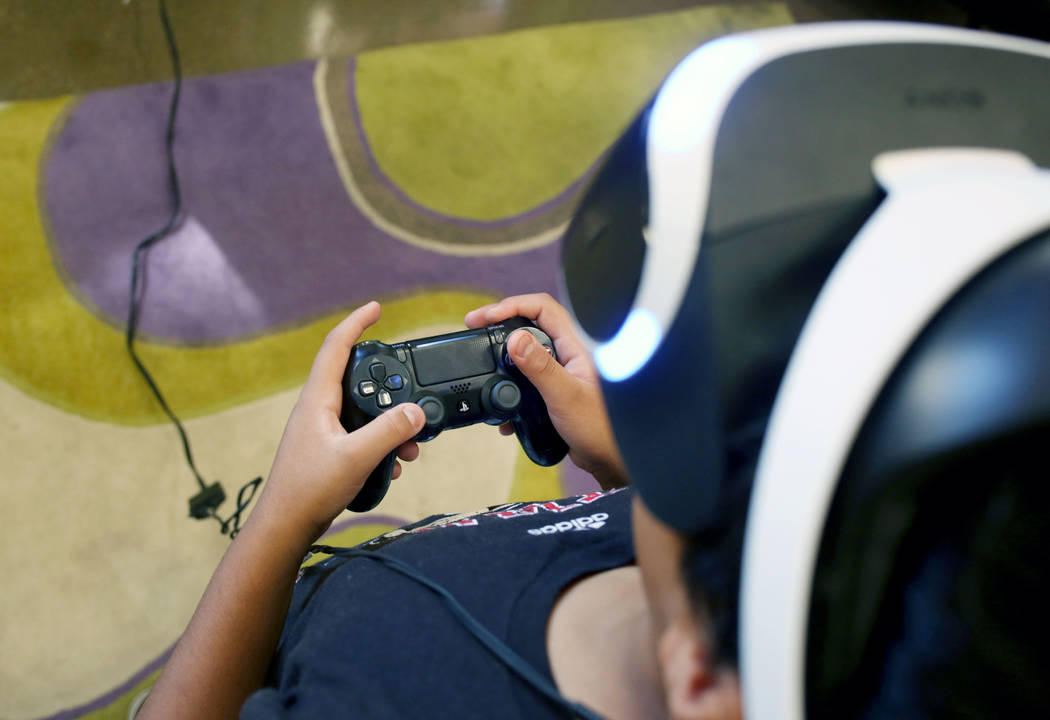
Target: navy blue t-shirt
[(363, 641)]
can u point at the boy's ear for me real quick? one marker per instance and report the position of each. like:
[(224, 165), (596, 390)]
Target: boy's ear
[(693, 688)]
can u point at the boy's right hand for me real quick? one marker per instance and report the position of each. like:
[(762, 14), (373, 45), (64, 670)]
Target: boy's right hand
[(571, 392)]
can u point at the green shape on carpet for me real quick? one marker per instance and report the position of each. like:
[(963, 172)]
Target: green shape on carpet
[(491, 127)]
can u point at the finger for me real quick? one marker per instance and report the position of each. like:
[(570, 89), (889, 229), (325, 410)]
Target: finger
[(396, 472), (476, 318), (506, 429), (545, 311), (324, 386), (532, 306), (371, 443), (553, 381), (409, 451)]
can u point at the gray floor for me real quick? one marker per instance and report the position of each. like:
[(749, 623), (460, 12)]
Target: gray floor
[(53, 47)]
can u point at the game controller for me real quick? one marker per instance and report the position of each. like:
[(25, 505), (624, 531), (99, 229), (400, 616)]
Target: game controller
[(459, 379)]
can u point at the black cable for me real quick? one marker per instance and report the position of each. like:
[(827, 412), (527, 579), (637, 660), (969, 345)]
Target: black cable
[(500, 649), (176, 207), (232, 525), (211, 496)]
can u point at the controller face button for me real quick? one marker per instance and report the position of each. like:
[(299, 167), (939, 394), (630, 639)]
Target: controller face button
[(433, 409), (378, 371), (394, 382), (505, 396), (383, 399)]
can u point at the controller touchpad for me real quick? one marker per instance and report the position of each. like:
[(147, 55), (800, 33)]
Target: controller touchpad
[(452, 359)]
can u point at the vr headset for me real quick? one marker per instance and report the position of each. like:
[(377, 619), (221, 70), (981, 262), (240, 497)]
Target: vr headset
[(817, 266)]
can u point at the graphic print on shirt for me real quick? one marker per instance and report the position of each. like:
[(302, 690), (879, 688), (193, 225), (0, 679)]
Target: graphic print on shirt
[(506, 511), (592, 522)]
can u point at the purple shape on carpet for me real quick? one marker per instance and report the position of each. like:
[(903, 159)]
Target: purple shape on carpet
[(269, 235), (575, 481)]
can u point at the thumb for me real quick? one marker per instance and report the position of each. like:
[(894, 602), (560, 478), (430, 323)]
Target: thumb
[(541, 369), (397, 425)]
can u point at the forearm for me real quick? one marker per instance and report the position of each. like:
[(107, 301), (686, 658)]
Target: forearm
[(319, 468), (223, 655)]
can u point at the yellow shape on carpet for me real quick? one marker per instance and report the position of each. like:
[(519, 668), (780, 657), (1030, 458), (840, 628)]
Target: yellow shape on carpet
[(491, 127), (532, 482), (119, 708), (348, 538)]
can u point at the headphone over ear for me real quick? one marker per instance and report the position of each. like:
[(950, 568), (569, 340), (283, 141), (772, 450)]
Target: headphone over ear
[(827, 247)]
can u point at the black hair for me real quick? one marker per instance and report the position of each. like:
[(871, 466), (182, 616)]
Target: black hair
[(711, 568), (711, 559)]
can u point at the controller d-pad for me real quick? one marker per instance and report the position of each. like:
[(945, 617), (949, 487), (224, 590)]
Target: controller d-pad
[(394, 382), (383, 399), (378, 371), (366, 388)]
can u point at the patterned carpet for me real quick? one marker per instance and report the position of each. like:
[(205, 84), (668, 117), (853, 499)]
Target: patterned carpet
[(433, 178)]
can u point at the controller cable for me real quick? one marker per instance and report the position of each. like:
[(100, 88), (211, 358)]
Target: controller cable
[(515, 662), (204, 503)]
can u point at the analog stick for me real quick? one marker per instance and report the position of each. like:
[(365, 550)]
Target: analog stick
[(505, 396), (434, 410)]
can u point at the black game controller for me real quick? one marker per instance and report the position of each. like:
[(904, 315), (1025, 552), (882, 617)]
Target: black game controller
[(459, 379)]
